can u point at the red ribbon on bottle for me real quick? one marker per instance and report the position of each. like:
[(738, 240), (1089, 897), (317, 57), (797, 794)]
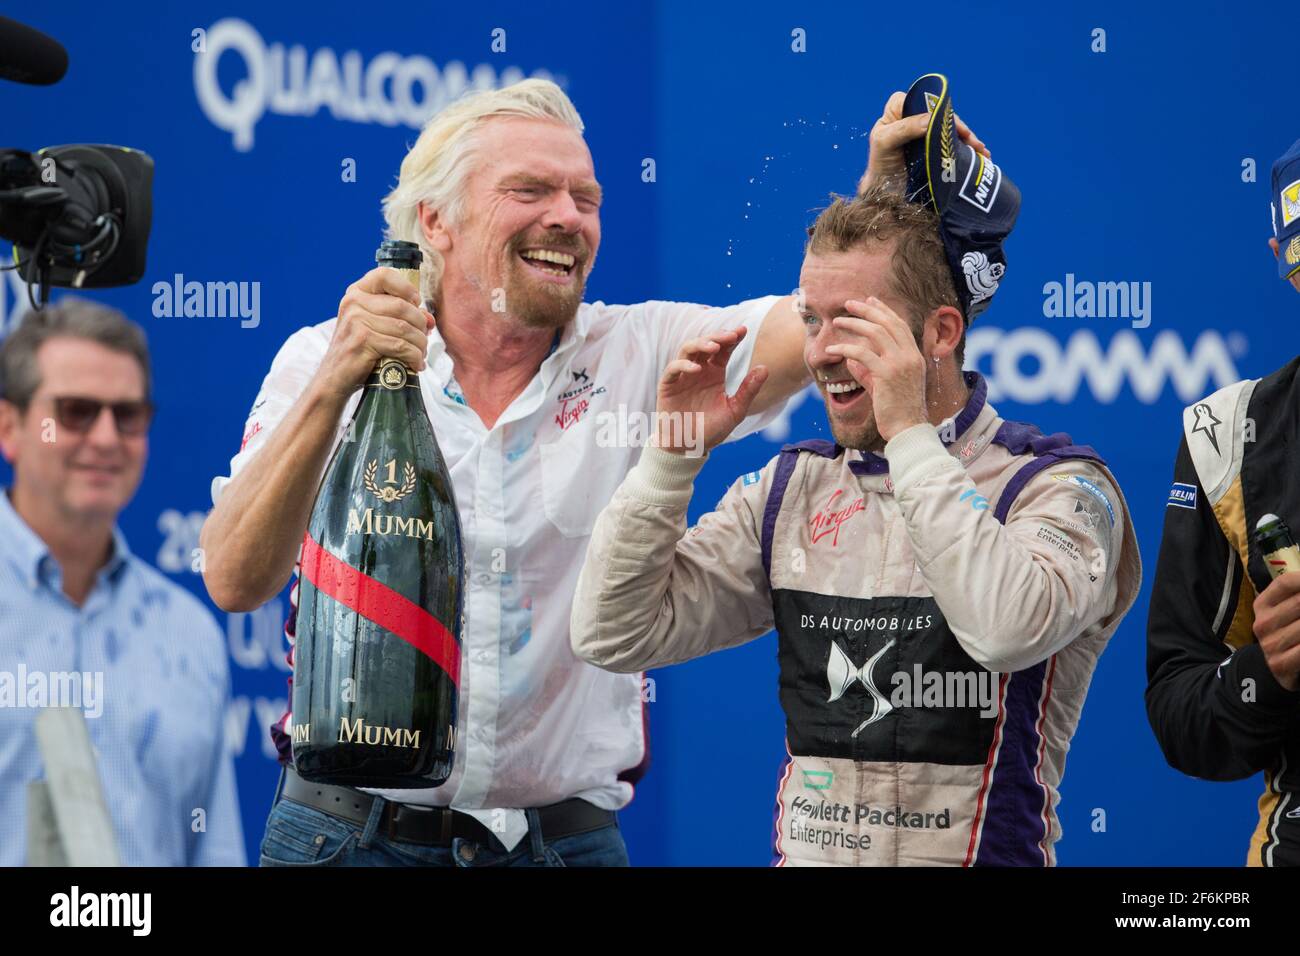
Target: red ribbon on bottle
[(381, 605)]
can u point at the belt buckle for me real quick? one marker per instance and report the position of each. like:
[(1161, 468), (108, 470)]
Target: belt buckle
[(390, 823), (444, 824)]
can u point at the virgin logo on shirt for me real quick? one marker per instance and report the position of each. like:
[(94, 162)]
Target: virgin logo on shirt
[(575, 400), (248, 435), (571, 412), (829, 520)]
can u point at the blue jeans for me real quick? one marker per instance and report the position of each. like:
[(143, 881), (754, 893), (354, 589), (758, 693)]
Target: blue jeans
[(298, 835)]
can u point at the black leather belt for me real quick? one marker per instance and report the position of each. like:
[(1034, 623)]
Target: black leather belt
[(435, 826)]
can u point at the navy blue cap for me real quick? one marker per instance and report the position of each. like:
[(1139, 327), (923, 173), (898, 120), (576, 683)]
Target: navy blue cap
[(976, 203), (1286, 211)]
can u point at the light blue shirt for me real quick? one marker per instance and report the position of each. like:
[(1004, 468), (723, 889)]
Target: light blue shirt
[(156, 716)]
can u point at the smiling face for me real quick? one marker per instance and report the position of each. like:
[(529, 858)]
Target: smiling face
[(531, 222), (826, 282), (86, 477)]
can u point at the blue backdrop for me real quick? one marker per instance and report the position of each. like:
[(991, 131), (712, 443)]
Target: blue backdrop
[(1142, 152)]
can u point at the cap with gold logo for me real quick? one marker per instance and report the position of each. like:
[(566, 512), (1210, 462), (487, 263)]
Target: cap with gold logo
[(1286, 211), (976, 202)]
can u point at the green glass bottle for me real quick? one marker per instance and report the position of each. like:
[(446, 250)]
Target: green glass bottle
[(1276, 546), (377, 634)]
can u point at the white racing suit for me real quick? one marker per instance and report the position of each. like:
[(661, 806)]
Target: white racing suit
[(939, 613)]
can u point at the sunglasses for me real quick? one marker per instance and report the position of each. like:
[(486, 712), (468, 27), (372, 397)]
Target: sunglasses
[(79, 415)]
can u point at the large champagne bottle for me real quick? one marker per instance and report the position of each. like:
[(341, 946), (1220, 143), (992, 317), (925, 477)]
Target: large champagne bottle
[(377, 642)]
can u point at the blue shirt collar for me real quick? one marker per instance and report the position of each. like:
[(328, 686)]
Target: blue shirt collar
[(121, 556), (28, 551)]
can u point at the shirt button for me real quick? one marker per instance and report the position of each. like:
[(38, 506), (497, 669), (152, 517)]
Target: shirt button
[(320, 838), (467, 852)]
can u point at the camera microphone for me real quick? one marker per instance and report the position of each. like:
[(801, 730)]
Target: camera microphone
[(29, 56)]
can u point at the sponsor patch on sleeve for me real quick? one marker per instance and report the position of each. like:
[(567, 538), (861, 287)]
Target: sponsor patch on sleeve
[(752, 478), (1092, 489), (1182, 496)]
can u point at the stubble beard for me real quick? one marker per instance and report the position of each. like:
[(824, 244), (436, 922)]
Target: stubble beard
[(538, 304), (864, 437)]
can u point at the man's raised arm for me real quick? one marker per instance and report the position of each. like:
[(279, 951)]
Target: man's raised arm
[(651, 592)]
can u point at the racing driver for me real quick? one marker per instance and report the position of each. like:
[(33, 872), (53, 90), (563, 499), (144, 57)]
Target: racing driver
[(1223, 643), (941, 581)]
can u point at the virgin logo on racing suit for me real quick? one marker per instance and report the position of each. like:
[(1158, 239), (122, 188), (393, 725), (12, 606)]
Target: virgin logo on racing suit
[(828, 520)]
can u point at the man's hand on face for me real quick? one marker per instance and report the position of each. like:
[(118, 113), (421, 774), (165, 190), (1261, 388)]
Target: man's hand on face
[(1277, 628), (883, 358), (694, 411), (885, 162), (380, 317)]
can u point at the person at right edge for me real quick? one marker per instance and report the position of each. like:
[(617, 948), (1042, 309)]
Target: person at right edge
[(931, 545), (1228, 718)]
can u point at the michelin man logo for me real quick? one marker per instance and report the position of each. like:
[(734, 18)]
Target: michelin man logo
[(1290, 203), (390, 89), (982, 276)]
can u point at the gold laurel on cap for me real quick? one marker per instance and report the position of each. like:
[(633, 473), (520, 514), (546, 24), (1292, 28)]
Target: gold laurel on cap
[(945, 136)]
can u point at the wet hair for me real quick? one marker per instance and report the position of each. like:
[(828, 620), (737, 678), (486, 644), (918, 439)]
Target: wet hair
[(920, 275)]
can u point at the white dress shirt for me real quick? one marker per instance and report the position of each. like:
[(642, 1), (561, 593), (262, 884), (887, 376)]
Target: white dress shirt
[(537, 725)]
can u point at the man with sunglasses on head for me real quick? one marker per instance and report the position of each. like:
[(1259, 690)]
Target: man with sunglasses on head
[(86, 623)]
